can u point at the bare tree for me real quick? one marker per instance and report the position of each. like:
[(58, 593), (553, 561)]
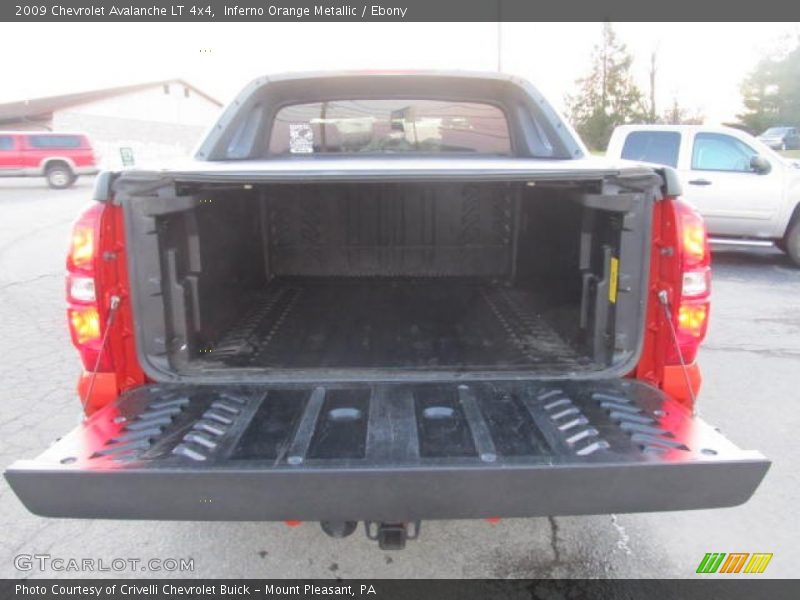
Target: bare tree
[(679, 115)]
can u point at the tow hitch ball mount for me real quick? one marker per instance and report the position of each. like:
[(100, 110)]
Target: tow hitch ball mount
[(390, 536)]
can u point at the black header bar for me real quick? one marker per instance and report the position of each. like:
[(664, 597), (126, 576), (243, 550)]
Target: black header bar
[(393, 10), (393, 589)]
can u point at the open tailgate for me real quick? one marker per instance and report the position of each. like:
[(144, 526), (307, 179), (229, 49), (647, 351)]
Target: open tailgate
[(398, 452)]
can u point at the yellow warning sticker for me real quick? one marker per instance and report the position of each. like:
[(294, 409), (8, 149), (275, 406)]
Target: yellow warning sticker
[(613, 280)]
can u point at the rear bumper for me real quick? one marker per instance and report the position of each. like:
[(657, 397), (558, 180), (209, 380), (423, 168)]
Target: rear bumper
[(511, 450), (384, 495)]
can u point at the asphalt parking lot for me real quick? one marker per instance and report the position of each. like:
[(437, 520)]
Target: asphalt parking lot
[(750, 361)]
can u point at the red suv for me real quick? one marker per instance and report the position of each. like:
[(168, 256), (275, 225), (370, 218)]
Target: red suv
[(59, 157)]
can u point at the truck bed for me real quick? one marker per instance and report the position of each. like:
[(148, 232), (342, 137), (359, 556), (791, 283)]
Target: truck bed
[(394, 323), (387, 277)]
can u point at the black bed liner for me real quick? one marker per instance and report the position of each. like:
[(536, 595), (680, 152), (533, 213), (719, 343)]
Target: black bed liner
[(373, 322), (387, 452), (203, 255)]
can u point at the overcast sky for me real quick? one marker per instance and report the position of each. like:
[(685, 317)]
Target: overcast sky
[(702, 64)]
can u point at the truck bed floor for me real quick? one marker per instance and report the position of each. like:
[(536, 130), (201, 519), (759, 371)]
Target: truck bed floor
[(375, 322)]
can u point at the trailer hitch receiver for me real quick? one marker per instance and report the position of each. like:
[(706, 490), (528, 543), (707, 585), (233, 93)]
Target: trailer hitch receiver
[(391, 536)]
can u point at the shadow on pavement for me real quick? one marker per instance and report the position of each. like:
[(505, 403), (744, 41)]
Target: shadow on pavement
[(749, 258)]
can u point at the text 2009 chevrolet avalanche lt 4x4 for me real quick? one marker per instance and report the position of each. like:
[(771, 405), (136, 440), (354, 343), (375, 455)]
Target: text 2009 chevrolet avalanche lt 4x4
[(388, 298)]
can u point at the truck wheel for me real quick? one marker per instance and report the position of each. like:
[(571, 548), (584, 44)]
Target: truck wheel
[(792, 242), (59, 176)]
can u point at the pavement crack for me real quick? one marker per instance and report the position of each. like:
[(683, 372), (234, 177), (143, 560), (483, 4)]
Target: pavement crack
[(554, 540), (624, 538), (766, 352), (32, 280)]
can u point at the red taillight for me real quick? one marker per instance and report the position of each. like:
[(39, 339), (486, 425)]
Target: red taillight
[(85, 325), (693, 237), (691, 305), (82, 243), (692, 319), (83, 312)]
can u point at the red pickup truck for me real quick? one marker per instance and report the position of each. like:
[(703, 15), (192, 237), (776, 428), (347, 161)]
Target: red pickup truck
[(388, 298), (58, 157)]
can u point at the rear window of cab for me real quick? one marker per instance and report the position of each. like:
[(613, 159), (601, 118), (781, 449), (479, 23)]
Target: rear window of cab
[(386, 126), (660, 147)]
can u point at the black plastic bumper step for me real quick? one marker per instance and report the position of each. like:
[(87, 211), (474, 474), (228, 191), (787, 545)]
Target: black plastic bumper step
[(394, 452)]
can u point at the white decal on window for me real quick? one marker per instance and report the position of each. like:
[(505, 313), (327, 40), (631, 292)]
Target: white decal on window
[(301, 138)]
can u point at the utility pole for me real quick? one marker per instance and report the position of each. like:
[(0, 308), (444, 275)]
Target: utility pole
[(653, 71), (606, 43), (499, 46)]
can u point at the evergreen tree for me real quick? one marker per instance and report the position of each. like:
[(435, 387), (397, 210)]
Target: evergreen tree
[(607, 96), (771, 93)]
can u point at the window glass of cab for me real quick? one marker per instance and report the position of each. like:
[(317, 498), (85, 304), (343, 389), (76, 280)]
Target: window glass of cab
[(6, 142), (721, 152), (396, 125), (54, 141), (660, 147)]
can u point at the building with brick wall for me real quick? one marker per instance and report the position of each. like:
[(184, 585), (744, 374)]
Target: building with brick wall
[(158, 121)]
